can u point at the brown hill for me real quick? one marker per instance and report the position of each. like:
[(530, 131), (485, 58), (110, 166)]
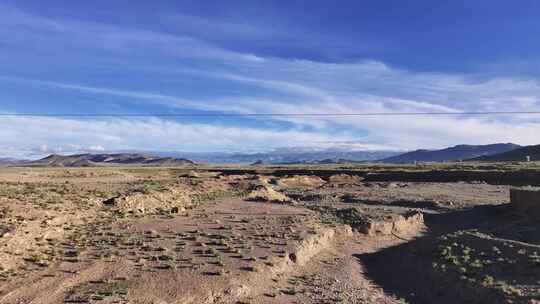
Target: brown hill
[(90, 160), (515, 155), (459, 152)]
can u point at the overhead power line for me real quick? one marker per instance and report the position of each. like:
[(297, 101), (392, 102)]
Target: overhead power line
[(267, 114)]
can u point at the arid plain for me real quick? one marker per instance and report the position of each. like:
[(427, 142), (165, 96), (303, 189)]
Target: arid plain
[(260, 234)]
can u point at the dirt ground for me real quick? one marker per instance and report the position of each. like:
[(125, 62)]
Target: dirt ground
[(165, 235)]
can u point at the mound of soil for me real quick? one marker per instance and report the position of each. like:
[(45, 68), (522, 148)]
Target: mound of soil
[(345, 179), (265, 193), (200, 174), (174, 200), (300, 181)]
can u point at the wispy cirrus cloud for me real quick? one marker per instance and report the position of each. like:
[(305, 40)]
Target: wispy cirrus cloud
[(172, 101), (68, 35)]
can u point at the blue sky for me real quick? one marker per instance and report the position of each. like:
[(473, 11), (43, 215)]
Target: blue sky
[(266, 57)]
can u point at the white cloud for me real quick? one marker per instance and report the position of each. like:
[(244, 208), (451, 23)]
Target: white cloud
[(96, 148), (325, 90), (57, 135)]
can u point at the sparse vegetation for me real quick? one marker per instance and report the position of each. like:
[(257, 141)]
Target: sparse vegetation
[(99, 241)]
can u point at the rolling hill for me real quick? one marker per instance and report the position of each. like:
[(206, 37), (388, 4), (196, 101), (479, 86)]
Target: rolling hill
[(514, 155), (456, 153), (89, 160)]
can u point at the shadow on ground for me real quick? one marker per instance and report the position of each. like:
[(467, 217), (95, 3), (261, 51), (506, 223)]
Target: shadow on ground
[(406, 270)]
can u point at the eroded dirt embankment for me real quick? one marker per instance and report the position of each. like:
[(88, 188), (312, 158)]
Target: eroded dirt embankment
[(255, 287), (495, 177), (462, 260), (520, 177)]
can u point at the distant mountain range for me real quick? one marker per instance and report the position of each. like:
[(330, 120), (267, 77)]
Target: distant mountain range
[(456, 153), (89, 160), (9, 161), (493, 152), (289, 156), (519, 154)]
